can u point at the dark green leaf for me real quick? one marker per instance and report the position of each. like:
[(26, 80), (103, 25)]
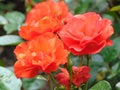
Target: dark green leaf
[(97, 60), (109, 54), (82, 7)]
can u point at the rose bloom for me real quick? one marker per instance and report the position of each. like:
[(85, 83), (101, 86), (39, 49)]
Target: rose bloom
[(47, 8), (45, 16), (46, 24), (86, 34), (79, 76), (63, 78), (44, 53)]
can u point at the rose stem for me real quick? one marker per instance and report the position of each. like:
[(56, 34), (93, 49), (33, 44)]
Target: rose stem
[(88, 59)]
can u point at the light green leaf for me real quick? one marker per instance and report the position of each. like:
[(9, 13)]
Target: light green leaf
[(115, 8), (15, 20), (10, 40), (8, 81), (11, 27), (101, 85), (118, 86), (33, 84), (15, 17), (3, 20), (40, 77)]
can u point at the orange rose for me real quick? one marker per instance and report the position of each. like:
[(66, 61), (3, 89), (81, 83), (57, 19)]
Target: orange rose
[(86, 34), (43, 53), (46, 24), (44, 17), (47, 8)]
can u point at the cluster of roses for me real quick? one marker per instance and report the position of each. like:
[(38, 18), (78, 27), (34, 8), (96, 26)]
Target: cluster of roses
[(51, 31)]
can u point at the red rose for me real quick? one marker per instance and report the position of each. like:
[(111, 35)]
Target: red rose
[(43, 53), (63, 78), (79, 76), (86, 34)]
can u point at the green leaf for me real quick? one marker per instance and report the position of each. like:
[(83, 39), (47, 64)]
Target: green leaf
[(116, 45), (82, 7), (40, 77), (101, 85), (118, 86), (10, 27), (115, 8), (8, 81), (15, 17), (111, 53), (10, 40), (97, 60), (33, 84), (3, 20)]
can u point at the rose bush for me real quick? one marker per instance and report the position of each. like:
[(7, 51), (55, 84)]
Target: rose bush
[(50, 30)]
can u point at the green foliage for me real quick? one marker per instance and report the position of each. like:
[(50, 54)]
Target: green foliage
[(82, 7), (33, 84), (3, 20), (10, 40), (115, 8), (15, 19), (8, 81), (101, 85), (111, 53), (118, 86)]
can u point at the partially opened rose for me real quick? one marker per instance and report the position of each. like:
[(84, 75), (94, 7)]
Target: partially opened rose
[(79, 76), (86, 34), (44, 53)]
